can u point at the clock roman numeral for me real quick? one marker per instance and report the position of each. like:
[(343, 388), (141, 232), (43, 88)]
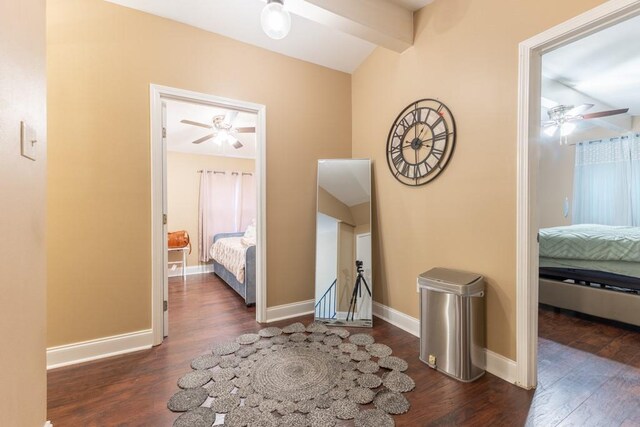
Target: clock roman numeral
[(405, 169), (417, 114), (440, 136), (437, 153), (437, 122), (397, 159)]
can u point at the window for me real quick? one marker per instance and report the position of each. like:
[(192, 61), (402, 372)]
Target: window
[(606, 187)]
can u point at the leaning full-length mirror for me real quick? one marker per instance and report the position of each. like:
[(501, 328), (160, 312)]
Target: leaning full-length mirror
[(343, 243)]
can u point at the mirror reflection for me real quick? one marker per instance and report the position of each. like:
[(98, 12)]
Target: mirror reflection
[(343, 291)]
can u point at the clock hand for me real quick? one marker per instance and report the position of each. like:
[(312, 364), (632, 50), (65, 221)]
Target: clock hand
[(427, 140)]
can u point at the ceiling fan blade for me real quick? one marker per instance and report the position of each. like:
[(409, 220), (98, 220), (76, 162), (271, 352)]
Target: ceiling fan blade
[(579, 109), (203, 139), (548, 123), (605, 113), (237, 144), (191, 122), (246, 130)]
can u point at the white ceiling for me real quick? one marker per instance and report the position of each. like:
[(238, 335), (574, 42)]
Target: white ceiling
[(240, 20), (180, 135), (604, 66), (412, 5), (346, 180)]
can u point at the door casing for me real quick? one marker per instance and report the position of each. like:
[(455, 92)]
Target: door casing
[(159, 93)]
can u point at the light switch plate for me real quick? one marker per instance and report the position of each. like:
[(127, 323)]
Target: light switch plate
[(28, 141)]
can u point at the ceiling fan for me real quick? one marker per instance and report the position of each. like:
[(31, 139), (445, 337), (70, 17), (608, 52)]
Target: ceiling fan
[(564, 117), (223, 129)]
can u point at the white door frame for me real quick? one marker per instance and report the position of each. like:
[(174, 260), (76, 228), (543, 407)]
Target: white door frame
[(529, 79), (158, 194)]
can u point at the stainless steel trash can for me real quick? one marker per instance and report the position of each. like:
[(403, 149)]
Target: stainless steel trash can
[(452, 336)]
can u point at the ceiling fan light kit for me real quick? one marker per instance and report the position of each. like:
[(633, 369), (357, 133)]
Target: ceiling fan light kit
[(275, 19), (223, 130), (567, 128)]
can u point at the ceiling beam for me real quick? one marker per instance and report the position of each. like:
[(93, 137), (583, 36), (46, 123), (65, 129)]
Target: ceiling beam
[(377, 21)]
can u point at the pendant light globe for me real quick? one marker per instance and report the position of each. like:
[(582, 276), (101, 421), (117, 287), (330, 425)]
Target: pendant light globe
[(275, 19)]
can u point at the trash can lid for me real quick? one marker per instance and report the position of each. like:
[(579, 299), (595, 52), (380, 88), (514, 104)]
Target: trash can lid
[(454, 281)]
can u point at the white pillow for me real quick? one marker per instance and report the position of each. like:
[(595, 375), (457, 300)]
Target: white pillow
[(248, 242), (250, 232)]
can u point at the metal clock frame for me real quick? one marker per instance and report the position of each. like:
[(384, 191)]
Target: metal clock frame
[(449, 133)]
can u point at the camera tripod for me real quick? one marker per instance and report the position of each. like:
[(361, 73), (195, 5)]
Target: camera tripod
[(357, 290)]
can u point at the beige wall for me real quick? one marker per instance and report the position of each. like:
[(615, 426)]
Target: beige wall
[(362, 217), (346, 265), (555, 182), (466, 55), (23, 395), (183, 192), (329, 205), (636, 123), (101, 60)]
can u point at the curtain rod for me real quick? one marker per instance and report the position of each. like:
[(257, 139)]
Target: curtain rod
[(635, 135), (224, 172)]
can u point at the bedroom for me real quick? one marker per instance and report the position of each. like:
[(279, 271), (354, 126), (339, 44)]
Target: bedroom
[(211, 200), (589, 195)]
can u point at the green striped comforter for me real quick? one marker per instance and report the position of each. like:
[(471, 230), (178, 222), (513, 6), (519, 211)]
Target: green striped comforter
[(591, 242)]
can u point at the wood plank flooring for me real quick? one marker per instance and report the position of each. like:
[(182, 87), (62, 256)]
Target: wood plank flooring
[(589, 372)]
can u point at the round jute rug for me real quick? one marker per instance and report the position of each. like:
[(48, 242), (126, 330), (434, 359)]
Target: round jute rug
[(296, 375)]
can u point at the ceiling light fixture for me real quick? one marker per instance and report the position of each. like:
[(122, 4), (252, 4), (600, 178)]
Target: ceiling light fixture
[(567, 128), (275, 19)]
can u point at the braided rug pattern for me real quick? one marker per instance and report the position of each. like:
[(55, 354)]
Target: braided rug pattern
[(297, 375)]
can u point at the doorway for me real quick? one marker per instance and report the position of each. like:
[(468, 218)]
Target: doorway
[(160, 96), (528, 218)]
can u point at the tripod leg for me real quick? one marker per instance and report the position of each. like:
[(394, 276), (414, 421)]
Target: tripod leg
[(354, 299), (358, 292), (366, 286)]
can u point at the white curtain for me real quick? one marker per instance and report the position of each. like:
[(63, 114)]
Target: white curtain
[(226, 205), (634, 150), (246, 201), (606, 186)]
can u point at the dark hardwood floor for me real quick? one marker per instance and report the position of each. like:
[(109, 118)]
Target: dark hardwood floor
[(589, 372)]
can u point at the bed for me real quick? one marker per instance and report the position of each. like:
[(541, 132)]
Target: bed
[(593, 269), (234, 261)]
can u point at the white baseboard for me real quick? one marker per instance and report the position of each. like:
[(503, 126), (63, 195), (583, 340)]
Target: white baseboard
[(286, 311), (500, 366), (192, 269), (397, 318), (71, 354), (496, 364)]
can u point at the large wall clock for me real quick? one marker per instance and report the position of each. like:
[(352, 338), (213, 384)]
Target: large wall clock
[(421, 142)]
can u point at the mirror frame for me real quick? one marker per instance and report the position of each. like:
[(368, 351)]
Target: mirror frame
[(341, 322)]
